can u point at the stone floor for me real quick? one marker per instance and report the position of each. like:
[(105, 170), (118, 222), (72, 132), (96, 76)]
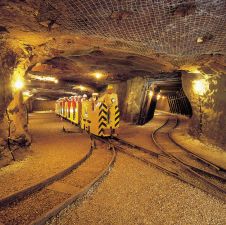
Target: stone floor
[(135, 193), (51, 151)]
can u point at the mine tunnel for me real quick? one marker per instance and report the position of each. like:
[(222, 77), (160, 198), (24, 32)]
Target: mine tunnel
[(112, 112)]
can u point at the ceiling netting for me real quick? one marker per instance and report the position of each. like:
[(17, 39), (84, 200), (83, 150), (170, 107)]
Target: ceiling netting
[(182, 30)]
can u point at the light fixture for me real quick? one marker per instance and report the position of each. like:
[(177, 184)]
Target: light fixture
[(158, 96), (18, 84), (194, 70), (82, 88), (44, 78), (41, 99), (200, 86), (150, 93), (98, 75), (199, 40)]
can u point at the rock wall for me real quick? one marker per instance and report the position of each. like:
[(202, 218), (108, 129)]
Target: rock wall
[(163, 105), (43, 105), (213, 107), (121, 89), (130, 98), (7, 63), (14, 61)]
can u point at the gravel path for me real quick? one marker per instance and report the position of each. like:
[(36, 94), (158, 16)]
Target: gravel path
[(135, 193), (37, 204), (204, 149), (141, 135), (51, 151)]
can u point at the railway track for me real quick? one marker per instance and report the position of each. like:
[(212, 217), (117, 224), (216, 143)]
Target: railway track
[(177, 162), (39, 206)]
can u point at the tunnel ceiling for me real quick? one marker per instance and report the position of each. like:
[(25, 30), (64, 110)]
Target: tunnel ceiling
[(71, 40)]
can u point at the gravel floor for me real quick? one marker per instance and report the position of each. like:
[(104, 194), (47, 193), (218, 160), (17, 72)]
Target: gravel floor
[(204, 149), (39, 203), (135, 193), (141, 135), (51, 151)]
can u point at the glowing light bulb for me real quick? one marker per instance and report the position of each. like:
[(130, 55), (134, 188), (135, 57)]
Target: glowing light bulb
[(200, 86), (158, 96), (18, 85), (56, 81), (81, 88), (151, 93), (98, 75)]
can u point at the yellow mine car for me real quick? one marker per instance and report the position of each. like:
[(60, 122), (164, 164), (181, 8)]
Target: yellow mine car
[(97, 115)]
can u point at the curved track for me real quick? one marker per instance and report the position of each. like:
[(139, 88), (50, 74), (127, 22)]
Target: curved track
[(41, 205), (19, 195), (199, 167), (177, 162)]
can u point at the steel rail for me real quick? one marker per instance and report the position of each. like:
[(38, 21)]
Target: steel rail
[(23, 193), (185, 165), (78, 196), (208, 163)]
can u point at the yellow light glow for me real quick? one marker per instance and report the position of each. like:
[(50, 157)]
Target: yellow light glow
[(195, 71), (27, 93), (200, 86), (98, 75), (18, 84), (81, 88), (158, 96), (44, 78), (151, 93), (163, 97)]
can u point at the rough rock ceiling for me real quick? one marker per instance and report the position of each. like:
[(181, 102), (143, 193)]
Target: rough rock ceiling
[(121, 38), (177, 28)]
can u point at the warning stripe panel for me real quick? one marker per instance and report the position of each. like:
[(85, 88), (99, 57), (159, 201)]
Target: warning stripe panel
[(116, 124), (103, 106), (117, 112), (101, 131), (117, 117), (102, 112), (102, 124), (103, 118)]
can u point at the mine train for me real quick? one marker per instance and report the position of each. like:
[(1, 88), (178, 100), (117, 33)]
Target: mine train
[(98, 115)]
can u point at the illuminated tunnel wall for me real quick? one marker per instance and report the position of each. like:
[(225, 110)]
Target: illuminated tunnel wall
[(213, 107), (134, 99), (40, 105)]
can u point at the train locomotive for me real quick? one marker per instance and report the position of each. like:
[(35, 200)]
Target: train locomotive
[(98, 115)]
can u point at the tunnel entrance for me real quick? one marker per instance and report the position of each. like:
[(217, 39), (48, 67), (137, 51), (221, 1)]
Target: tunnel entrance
[(165, 95)]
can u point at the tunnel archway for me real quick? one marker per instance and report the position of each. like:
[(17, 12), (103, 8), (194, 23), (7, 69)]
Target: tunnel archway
[(164, 95)]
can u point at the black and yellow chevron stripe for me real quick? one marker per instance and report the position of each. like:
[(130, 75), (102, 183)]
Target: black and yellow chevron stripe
[(103, 118), (117, 116)]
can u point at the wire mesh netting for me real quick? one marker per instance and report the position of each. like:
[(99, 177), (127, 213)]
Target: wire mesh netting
[(176, 28)]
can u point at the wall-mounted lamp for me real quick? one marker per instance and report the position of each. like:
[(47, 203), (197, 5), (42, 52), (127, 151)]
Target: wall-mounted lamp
[(158, 96), (82, 88), (151, 93), (98, 75), (18, 84), (200, 87)]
